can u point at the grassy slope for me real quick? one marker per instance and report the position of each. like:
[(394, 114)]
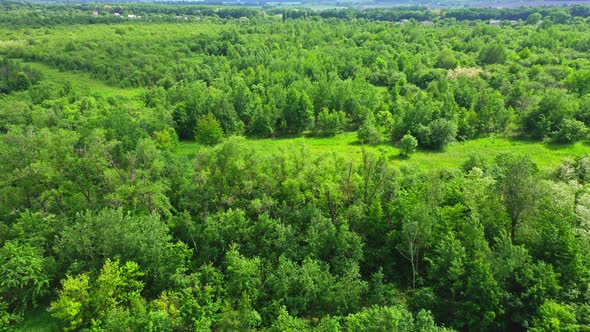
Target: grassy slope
[(346, 145)]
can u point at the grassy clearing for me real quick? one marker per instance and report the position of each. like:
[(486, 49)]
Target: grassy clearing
[(84, 81), (346, 145)]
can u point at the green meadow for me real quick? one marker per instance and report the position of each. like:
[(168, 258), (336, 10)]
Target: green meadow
[(346, 145), (84, 81)]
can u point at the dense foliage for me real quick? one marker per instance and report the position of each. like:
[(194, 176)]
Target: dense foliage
[(106, 227)]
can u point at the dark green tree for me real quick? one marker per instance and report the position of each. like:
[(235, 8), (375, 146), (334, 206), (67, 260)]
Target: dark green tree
[(369, 132), (492, 54), (516, 185), (24, 278), (299, 111), (22, 82), (208, 131)]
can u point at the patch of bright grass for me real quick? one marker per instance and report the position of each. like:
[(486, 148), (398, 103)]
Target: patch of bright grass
[(346, 145), (84, 81)]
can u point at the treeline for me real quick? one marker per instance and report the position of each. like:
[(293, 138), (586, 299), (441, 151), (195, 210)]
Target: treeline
[(106, 227), (423, 14), (521, 13), (48, 14)]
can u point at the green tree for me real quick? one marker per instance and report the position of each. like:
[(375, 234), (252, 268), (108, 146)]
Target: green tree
[(492, 116), (438, 134), (415, 234), (71, 307), (579, 82), (287, 323), (492, 54), (22, 82), (311, 288), (393, 318), (555, 106), (446, 59), (242, 276), (95, 237), (408, 144), (208, 130), (330, 123), (559, 17), (263, 119), (369, 132), (533, 18), (553, 316), (23, 276), (516, 185), (83, 301), (299, 111)]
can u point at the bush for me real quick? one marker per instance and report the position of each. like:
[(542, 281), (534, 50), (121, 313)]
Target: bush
[(571, 131), (438, 134), (330, 123)]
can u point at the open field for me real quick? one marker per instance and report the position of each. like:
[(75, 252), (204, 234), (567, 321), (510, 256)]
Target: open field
[(544, 155), (84, 81)]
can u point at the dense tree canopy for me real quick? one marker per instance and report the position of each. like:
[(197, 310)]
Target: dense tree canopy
[(107, 226)]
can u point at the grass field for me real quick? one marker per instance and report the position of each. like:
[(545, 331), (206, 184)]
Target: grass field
[(454, 155), (84, 81)]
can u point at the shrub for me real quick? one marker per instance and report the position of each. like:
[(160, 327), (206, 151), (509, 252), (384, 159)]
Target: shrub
[(330, 123), (438, 134), (571, 131)]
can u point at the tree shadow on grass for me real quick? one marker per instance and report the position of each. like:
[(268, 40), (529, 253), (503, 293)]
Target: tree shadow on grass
[(381, 144), (398, 157), (550, 145), (558, 146), (356, 142)]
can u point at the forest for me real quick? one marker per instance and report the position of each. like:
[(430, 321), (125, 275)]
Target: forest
[(158, 170)]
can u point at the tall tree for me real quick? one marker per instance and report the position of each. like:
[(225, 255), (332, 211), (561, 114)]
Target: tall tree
[(517, 186)]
